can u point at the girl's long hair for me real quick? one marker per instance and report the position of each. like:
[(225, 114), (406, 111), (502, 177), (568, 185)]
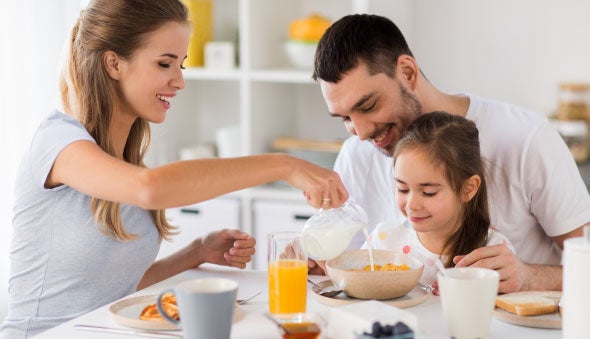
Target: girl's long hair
[(452, 142), (89, 94)]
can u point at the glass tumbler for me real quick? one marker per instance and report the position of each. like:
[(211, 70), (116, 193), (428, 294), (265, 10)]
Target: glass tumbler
[(287, 273)]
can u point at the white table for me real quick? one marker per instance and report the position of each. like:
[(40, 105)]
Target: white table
[(253, 325)]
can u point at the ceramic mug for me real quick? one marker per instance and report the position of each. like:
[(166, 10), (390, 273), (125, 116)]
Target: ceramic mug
[(468, 296), (205, 307)]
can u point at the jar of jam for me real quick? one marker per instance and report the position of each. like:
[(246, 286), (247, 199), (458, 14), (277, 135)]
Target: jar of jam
[(574, 100)]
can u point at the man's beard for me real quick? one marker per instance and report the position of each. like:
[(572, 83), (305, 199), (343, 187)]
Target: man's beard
[(412, 109)]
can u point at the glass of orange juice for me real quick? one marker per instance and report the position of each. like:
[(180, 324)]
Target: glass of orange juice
[(287, 273)]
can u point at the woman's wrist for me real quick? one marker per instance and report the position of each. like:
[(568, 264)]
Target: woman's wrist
[(196, 253)]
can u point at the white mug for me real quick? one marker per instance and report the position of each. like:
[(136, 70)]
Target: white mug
[(205, 307), (468, 296)]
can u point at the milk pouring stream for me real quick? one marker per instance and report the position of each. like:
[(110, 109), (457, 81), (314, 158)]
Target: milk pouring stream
[(328, 233)]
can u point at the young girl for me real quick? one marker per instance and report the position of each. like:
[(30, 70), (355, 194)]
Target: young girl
[(440, 189), (89, 216)]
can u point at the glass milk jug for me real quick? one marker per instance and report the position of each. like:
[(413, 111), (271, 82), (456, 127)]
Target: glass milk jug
[(329, 232)]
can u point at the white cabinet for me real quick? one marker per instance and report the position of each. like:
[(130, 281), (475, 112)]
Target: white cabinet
[(197, 220), (274, 216)]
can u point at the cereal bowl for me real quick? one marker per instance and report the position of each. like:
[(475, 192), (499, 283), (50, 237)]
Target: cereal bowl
[(347, 272)]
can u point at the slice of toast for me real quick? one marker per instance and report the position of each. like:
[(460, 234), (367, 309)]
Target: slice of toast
[(526, 304)]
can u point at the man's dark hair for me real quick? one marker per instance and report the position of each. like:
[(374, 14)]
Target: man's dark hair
[(372, 39)]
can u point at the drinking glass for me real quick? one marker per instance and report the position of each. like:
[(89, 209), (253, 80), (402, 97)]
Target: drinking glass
[(287, 273)]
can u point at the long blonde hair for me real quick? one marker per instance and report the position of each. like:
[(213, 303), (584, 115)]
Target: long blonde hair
[(88, 93)]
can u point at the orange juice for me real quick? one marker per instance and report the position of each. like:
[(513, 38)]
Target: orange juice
[(287, 286)]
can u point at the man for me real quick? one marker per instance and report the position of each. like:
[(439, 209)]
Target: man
[(370, 79)]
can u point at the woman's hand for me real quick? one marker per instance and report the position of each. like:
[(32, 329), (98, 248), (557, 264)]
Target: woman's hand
[(321, 187), (226, 247)]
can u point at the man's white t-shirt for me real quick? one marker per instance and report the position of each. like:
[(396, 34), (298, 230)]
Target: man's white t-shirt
[(535, 190), (402, 238)]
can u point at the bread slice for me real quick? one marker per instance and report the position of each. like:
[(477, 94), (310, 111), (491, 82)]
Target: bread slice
[(526, 304)]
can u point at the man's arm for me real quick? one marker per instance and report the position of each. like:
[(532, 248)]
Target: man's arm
[(516, 275)]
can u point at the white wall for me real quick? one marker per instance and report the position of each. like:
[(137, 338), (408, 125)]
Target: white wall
[(31, 35), (517, 51)]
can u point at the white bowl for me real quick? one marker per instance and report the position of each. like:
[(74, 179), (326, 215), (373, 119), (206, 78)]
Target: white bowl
[(346, 273), (301, 54)]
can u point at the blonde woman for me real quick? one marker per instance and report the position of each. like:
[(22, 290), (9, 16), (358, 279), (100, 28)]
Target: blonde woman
[(89, 216)]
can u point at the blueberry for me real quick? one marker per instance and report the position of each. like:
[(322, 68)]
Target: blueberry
[(401, 328), (376, 328)]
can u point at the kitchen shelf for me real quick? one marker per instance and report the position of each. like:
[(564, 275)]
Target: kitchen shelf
[(283, 75), (195, 73), (263, 95)]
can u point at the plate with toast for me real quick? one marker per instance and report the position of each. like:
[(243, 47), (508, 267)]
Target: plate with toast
[(532, 309)]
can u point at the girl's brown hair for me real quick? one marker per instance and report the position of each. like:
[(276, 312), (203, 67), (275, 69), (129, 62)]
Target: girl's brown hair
[(88, 93), (452, 142)]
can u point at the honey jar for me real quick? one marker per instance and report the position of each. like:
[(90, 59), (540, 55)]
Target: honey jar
[(574, 100)]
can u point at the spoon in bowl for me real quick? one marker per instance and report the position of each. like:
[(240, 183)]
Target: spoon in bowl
[(328, 291)]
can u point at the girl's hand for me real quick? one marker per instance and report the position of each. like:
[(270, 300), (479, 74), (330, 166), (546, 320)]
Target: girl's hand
[(435, 290), (227, 248), (316, 267)]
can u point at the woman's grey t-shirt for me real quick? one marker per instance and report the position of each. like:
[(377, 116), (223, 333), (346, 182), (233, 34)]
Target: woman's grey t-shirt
[(61, 265)]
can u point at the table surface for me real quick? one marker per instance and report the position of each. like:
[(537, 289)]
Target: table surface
[(254, 325)]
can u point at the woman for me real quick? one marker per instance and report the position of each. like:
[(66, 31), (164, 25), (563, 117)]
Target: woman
[(89, 216)]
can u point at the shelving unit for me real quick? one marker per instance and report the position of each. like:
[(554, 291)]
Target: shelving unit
[(265, 96)]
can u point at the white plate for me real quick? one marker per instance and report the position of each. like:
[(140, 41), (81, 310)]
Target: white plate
[(414, 297), (552, 320), (126, 312)]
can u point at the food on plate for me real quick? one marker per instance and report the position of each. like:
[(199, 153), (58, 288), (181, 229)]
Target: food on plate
[(387, 267), (527, 304), (150, 312)]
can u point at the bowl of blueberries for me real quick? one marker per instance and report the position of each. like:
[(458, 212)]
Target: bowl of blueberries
[(397, 331)]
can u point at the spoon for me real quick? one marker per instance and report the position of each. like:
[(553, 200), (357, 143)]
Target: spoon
[(328, 292), (243, 301)]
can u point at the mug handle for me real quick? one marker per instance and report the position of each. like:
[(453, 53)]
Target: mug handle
[(161, 308)]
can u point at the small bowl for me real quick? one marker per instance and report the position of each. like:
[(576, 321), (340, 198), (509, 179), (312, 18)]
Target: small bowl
[(300, 325), (346, 273), (301, 54)]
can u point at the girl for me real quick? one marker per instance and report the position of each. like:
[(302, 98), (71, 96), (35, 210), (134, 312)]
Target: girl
[(89, 216), (440, 189)]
